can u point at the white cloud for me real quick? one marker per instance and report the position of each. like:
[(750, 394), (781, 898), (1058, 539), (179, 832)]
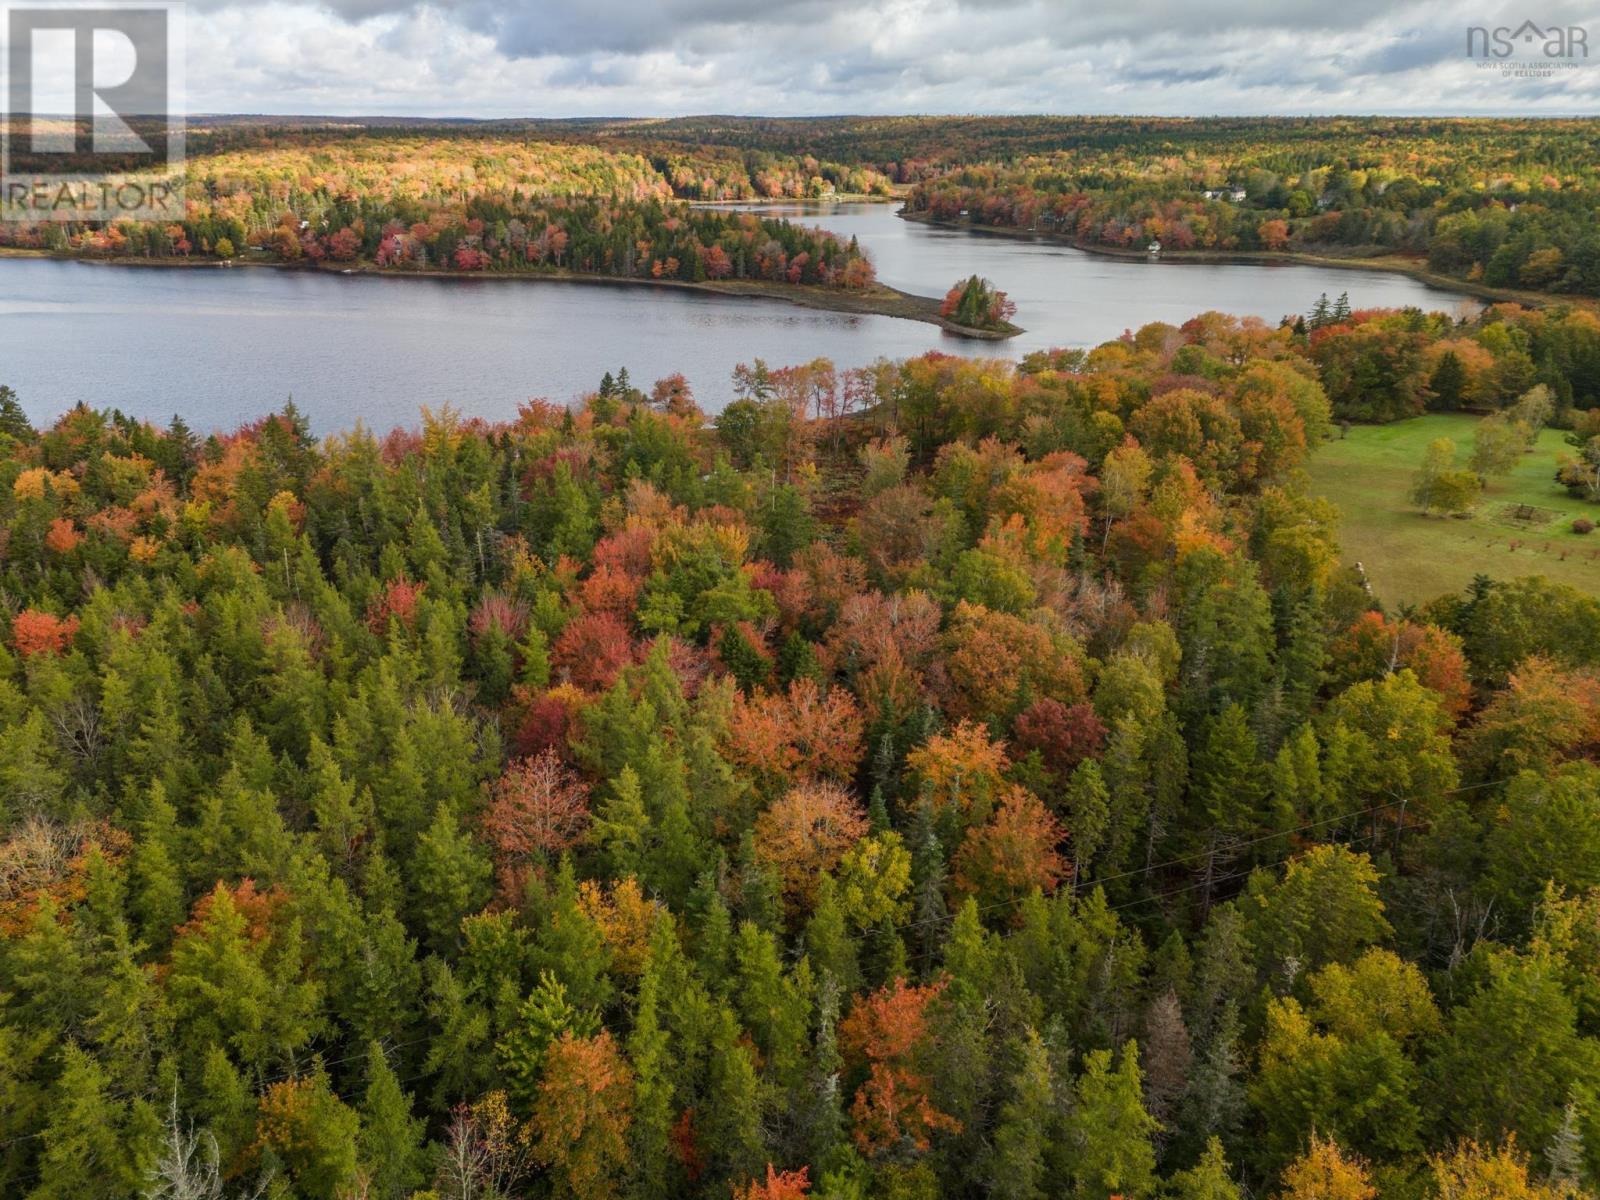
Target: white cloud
[(635, 57)]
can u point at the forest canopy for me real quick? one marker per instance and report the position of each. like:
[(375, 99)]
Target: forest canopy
[(945, 778)]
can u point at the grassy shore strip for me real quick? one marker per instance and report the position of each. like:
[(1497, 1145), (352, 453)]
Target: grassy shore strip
[(878, 300), (894, 197), (1399, 264)]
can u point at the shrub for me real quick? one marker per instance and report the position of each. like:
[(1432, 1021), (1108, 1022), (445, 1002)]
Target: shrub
[(1582, 525)]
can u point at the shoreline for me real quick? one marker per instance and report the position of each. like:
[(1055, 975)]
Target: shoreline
[(1396, 264), (878, 300)]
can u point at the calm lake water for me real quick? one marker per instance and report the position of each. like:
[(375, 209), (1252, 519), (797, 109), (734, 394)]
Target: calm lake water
[(222, 347)]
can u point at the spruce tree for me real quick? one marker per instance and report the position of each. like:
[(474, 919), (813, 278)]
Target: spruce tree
[(1209, 1179), (450, 879), (82, 1155), (649, 1047), (1024, 1126), (391, 1141), (1112, 1130), (1088, 816)]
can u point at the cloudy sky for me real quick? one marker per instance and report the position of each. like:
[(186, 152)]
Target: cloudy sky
[(795, 57)]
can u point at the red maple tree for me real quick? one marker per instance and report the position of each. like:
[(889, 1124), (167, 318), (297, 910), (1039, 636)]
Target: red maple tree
[(36, 632), (892, 1108)]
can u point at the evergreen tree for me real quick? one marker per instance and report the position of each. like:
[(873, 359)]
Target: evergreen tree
[(1112, 1130), (451, 874), (1228, 784), (649, 1045), (828, 942), (1208, 1179), (733, 1110), (823, 1117), (1213, 1104), (929, 914), (570, 946), (1024, 1125), (1088, 816), (1565, 1154), (775, 1007), (1448, 381), (391, 1138), (543, 1017), (13, 421), (82, 1155), (156, 886)]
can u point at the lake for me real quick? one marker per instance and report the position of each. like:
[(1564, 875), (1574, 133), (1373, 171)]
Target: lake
[(222, 347)]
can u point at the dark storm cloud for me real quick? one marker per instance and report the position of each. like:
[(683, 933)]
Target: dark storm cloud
[(1419, 48), (1162, 73)]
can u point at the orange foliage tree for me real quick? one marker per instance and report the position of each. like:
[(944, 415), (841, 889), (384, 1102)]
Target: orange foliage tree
[(592, 650), (779, 1185), (1002, 861), (583, 1114), (1545, 714), (960, 770), (1274, 234), (806, 833), (36, 632), (802, 732), (63, 537), (885, 1031), (44, 862), (257, 908), (1375, 646), (998, 661)]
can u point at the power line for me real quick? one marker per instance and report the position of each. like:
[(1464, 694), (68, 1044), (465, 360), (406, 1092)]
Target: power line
[(1268, 837), (924, 922)]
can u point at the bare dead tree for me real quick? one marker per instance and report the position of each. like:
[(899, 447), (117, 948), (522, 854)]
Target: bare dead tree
[(77, 725), (189, 1168)]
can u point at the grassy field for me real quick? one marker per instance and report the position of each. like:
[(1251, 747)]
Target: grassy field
[(1410, 557)]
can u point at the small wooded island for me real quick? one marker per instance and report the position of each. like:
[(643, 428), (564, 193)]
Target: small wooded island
[(976, 304)]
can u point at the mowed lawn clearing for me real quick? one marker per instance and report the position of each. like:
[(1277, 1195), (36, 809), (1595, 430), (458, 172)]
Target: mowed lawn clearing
[(1410, 557)]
